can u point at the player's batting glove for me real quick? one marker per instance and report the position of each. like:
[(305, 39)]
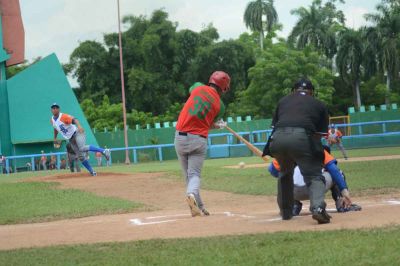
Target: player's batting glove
[(220, 124), (57, 144)]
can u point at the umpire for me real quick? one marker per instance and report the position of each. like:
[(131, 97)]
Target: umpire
[(298, 123)]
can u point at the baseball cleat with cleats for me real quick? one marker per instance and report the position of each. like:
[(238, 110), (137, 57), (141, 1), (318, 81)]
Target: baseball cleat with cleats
[(321, 216), (106, 154), (205, 212), (353, 208), (194, 208), (93, 173)]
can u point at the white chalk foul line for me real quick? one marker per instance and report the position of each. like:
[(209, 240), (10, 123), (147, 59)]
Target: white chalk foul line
[(167, 216), (139, 222), (229, 214), (393, 202)]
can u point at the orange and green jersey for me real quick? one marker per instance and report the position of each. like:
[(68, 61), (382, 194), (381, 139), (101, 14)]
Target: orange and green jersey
[(200, 111)]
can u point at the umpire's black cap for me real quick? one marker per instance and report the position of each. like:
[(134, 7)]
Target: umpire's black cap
[(303, 84), (55, 105)]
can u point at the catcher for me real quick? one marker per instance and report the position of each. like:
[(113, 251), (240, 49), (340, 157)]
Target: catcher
[(335, 137), (70, 128), (335, 181)]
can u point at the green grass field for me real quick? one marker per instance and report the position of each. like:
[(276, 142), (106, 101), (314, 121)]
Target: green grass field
[(37, 202), (33, 202), (344, 247)]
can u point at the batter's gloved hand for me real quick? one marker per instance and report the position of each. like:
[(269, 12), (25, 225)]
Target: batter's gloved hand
[(57, 144), (220, 124)]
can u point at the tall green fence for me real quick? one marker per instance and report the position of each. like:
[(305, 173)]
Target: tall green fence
[(383, 114), (152, 136), (142, 137)]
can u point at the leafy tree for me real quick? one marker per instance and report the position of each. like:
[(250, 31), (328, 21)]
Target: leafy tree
[(387, 31), (253, 17), (102, 116), (317, 26), (89, 64), (349, 60), (273, 77), (233, 57)]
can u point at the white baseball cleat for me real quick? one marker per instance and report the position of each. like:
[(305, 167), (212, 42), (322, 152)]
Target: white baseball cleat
[(194, 208), (107, 154)]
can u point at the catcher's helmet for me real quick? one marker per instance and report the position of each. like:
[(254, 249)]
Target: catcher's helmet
[(327, 148), (303, 84), (220, 79)]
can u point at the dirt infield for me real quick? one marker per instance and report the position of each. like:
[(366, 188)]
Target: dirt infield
[(355, 159), (168, 215)]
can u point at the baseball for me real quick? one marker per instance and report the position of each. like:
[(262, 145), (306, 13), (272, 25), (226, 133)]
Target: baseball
[(242, 165)]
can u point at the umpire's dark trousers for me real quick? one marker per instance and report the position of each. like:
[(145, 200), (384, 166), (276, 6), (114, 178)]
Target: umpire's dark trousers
[(291, 146)]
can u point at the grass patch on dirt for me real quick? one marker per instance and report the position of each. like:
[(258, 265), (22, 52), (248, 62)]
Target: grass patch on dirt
[(342, 247), (38, 202)]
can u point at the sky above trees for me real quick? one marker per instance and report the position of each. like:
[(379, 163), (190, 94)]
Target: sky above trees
[(60, 25)]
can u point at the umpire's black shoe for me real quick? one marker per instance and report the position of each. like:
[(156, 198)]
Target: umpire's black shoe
[(286, 214), (321, 216)]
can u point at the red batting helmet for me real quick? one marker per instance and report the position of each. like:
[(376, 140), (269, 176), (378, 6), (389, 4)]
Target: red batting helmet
[(221, 79)]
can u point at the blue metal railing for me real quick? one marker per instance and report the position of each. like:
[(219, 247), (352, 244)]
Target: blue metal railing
[(229, 143)]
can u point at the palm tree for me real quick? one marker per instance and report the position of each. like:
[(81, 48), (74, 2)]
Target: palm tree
[(349, 59), (317, 26), (253, 17), (387, 30)]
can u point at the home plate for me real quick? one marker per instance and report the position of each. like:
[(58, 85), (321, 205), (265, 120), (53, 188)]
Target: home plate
[(393, 202), (139, 222)]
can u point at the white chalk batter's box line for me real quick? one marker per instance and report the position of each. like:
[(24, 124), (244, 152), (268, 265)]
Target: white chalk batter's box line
[(162, 219)]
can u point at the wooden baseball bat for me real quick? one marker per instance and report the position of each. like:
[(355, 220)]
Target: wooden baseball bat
[(253, 148)]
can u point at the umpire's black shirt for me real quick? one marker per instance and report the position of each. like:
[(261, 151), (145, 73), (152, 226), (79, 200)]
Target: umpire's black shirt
[(301, 110)]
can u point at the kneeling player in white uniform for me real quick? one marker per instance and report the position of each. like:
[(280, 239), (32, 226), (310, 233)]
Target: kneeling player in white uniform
[(335, 181)]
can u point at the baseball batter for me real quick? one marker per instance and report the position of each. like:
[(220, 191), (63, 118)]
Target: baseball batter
[(200, 113), (335, 137), (70, 128)]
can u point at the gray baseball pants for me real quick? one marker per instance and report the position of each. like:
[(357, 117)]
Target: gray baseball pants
[(340, 145), (302, 192), (191, 151), (78, 144)]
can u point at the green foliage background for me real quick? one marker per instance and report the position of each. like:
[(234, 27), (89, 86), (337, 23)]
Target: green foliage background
[(349, 67)]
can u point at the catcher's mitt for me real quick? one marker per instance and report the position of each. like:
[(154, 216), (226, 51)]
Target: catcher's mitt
[(57, 144)]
